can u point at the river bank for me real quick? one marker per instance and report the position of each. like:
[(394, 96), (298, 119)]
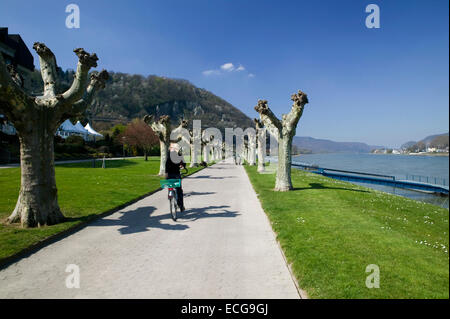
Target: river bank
[(412, 154), (401, 166), (332, 230), (428, 154)]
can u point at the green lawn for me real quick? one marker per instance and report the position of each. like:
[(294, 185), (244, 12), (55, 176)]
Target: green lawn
[(83, 192), (331, 230)]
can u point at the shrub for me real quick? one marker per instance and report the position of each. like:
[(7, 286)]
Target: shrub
[(74, 139)]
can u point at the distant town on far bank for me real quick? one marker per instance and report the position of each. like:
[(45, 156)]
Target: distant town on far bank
[(430, 145)]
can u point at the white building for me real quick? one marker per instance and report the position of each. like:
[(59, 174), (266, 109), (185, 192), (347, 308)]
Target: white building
[(15, 53), (92, 134), (67, 129)]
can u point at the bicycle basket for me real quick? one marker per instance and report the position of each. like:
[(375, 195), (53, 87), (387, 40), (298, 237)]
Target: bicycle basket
[(170, 183)]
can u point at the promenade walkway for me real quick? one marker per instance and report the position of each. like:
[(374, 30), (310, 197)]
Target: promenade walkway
[(222, 246)]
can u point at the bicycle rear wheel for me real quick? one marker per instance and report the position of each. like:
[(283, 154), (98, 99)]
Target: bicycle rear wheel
[(173, 208)]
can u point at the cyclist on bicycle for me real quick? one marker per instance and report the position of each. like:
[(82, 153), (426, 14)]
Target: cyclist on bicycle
[(173, 165)]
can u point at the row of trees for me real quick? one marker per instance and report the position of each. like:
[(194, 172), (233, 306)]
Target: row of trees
[(198, 143), (282, 131)]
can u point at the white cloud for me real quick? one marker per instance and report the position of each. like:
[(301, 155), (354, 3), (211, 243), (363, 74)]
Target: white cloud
[(227, 67), (210, 72)]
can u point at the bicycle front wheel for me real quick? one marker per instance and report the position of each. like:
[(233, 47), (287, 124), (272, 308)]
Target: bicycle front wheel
[(173, 208)]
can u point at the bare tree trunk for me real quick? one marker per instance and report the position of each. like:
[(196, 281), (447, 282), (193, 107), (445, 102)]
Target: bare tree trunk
[(164, 149), (37, 204), (196, 146), (261, 134), (216, 153), (194, 161), (145, 155), (162, 130), (261, 167), (245, 152), (283, 181), (205, 153), (252, 150)]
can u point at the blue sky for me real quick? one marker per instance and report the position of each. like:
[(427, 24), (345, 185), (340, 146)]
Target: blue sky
[(380, 86)]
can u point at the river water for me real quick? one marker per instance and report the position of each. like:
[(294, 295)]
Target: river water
[(399, 166)]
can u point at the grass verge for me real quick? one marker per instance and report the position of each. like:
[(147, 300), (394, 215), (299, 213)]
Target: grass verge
[(330, 231), (84, 193)]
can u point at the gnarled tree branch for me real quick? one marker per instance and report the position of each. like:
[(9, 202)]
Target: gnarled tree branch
[(290, 120), (86, 61), (269, 119), (49, 74), (178, 131), (97, 82), (160, 127)]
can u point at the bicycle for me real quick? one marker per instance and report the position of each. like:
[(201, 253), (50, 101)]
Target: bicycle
[(171, 185)]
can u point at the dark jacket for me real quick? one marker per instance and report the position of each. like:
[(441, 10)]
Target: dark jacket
[(173, 169)]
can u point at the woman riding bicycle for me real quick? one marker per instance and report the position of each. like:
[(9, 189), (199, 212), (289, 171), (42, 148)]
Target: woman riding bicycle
[(173, 165)]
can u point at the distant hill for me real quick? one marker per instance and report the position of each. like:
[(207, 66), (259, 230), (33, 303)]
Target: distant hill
[(408, 144), (431, 138), (328, 146), (437, 140), (128, 96)]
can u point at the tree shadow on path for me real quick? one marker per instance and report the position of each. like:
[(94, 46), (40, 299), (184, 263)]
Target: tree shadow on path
[(141, 219), (197, 193), (207, 212)]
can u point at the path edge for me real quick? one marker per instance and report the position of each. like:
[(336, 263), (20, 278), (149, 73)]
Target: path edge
[(302, 293)]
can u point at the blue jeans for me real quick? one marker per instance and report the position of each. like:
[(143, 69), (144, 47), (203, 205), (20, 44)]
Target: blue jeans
[(178, 189)]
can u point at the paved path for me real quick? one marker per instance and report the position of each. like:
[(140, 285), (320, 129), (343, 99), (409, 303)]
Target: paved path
[(222, 246)]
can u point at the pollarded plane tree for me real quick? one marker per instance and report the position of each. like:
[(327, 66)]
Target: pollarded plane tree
[(261, 139), (188, 137), (209, 147), (283, 131), (251, 155), (196, 147), (217, 150), (36, 119), (213, 151), (223, 150), (162, 129), (205, 148), (244, 150)]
